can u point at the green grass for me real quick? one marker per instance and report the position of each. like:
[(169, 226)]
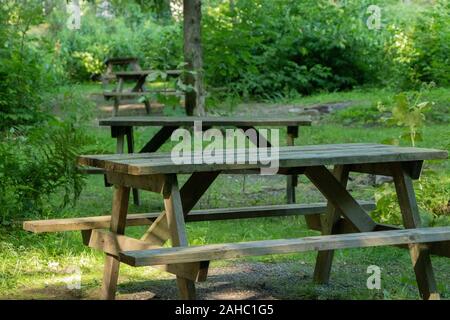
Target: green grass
[(34, 266)]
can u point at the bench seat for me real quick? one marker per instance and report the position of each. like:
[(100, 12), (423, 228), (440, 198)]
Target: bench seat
[(100, 222), (284, 246), (132, 95)]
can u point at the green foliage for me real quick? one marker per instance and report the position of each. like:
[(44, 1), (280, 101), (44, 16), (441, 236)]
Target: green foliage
[(131, 33), (417, 49), (22, 73), (432, 193), (269, 47), (408, 112), (263, 48), (34, 164)]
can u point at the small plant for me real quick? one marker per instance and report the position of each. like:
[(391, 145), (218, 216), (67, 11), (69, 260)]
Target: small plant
[(38, 172), (408, 112)]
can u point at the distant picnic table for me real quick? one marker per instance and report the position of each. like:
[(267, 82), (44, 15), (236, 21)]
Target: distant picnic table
[(122, 127), (124, 63), (139, 90), (343, 221)]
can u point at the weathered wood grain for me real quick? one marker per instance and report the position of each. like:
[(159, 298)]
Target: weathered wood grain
[(284, 246), (329, 221), (420, 254), (177, 229), (117, 226), (288, 157), (141, 219), (206, 121), (339, 197)]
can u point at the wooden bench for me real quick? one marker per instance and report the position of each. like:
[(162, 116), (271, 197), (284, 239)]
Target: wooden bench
[(345, 224), (122, 128), (142, 219), (178, 255), (139, 78)]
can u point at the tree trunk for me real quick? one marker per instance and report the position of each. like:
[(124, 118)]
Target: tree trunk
[(193, 56)]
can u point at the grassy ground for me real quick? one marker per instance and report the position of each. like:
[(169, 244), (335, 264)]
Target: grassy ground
[(39, 266)]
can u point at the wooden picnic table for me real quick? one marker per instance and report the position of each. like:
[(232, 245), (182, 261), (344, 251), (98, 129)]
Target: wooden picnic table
[(122, 127), (345, 223), (138, 90), (124, 62)]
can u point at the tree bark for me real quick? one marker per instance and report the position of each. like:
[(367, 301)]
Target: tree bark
[(193, 56)]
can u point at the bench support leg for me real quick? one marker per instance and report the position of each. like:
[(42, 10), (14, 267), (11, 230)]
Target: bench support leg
[(177, 229), (328, 221), (420, 255), (291, 181), (118, 222)]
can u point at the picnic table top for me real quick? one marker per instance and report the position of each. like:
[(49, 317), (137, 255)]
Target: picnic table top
[(206, 121), (121, 60), (298, 156), (142, 73)]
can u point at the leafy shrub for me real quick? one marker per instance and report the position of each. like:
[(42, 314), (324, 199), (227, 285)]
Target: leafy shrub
[(432, 195), (37, 163), (407, 112), (417, 51), (266, 47), (22, 74)]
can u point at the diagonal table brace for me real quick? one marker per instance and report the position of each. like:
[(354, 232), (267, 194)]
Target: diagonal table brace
[(340, 198)]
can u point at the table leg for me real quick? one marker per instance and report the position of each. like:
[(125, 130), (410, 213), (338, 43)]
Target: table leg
[(324, 259), (140, 87), (118, 222), (420, 255), (130, 145), (117, 99), (177, 229), (291, 181), (147, 106)]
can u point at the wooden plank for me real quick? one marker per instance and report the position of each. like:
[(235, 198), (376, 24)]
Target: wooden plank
[(118, 222), (134, 94), (177, 229), (288, 157), (441, 249), (207, 121), (339, 197), (121, 60), (147, 72), (90, 170), (154, 183), (158, 139), (420, 255), (284, 246), (113, 244), (140, 219), (385, 169), (329, 221)]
